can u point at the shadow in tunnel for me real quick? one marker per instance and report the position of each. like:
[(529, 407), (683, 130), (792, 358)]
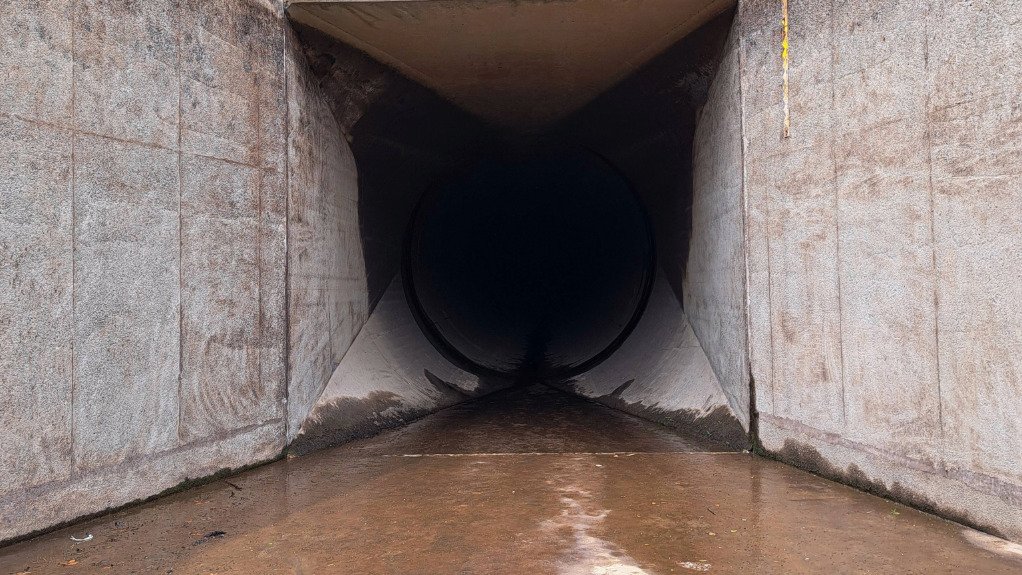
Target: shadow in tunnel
[(403, 137), (535, 263), (645, 127)]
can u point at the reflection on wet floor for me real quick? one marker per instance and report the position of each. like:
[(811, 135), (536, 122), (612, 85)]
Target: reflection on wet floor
[(528, 482)]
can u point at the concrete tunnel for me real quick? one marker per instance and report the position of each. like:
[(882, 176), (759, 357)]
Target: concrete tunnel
[(291, 242), (534, 193)]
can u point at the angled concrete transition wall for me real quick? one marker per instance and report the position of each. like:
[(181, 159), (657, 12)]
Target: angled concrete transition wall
[(364, 144), (521, 66), (402, 136), (391, 375), (328, 297), (645, 126), (714, 281), (885, 239), (661, 373), (669, 128), (143, 170)]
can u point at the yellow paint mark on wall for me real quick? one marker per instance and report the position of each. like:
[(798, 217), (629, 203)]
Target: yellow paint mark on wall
[(784, 63)]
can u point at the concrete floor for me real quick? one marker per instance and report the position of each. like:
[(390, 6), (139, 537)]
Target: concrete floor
[(528, 481)]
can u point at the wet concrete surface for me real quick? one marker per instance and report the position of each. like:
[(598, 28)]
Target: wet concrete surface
[(536, 419), (525, 482)]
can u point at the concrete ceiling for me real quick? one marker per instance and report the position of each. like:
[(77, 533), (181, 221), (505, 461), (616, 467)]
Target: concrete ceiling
[(518, 64)]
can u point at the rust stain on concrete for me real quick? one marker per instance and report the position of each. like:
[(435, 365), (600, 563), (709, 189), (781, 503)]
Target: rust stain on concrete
[(347, 418), (810, 459), (719, 426)]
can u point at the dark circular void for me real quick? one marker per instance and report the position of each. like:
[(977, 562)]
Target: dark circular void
[(534, 264)]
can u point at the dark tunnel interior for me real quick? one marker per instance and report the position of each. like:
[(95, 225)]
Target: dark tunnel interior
[(532, 263), (529, 255)]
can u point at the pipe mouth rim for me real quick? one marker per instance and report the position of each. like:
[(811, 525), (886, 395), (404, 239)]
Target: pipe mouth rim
[(434, 334)]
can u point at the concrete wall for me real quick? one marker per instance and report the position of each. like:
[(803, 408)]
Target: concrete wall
[(714, 282), (142, 216), (183, 247), (885, 239), (328, 297)]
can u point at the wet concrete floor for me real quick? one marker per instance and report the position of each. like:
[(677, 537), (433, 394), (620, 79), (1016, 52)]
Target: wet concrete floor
[(530, 481)]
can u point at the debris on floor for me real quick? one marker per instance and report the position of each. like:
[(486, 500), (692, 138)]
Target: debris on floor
[(210, 536)]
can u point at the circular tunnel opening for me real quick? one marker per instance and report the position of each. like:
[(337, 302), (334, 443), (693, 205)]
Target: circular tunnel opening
[(534, 264)]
